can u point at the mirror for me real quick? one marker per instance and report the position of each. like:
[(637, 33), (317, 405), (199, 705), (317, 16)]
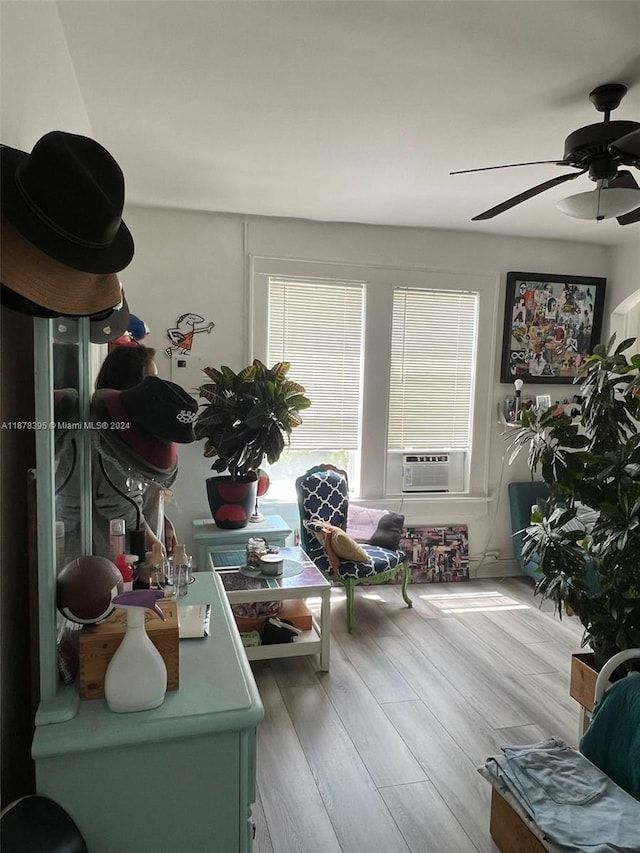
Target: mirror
[(62, 493), (75, 366), (65, 366), (67, 451)]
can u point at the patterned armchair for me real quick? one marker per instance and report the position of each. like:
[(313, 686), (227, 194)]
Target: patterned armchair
[(323, 497)]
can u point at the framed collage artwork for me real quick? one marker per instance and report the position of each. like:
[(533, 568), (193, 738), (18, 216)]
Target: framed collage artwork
[(551, 324), (437, 553)]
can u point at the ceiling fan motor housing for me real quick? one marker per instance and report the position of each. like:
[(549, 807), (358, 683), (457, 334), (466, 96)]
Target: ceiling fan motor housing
[(589, 147)]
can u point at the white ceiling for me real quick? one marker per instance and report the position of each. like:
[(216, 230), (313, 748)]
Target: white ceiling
[(353, 111)]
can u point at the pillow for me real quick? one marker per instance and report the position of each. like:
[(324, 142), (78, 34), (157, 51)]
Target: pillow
[(347, 548), (375, 526), (389, 531), (338, 544)]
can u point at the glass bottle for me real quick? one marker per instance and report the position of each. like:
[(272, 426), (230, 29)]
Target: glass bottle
[(158, 574), (117, 538), (256, 547), (180, 570)]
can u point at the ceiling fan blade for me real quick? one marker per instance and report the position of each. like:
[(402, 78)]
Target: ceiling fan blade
[(627, 148), (527, 194), (510, 166), (629, 218), (624, 180)]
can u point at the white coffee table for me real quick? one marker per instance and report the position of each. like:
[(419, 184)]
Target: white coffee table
[(242, 588)]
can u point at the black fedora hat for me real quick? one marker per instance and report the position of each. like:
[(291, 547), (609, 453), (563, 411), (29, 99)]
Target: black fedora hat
[(162, 408), (67, 198)]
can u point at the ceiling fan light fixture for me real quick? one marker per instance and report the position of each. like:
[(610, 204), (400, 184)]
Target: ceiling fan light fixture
[(602, 203)]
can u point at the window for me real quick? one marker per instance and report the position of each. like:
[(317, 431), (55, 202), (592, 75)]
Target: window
[(318, 326), (393, 362), (432, 361)]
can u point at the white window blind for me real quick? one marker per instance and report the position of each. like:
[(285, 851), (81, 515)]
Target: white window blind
[(318, 327), (432, 365)]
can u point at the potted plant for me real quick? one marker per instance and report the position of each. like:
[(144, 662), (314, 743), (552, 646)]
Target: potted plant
[(247, 417), (590, 566)]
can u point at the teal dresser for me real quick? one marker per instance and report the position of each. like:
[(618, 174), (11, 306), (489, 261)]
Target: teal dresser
[(179, 777)]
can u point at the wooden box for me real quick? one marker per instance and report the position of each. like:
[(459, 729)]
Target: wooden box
[(509, 831), (98, 644), (583, 679), (246, 624), (294, 610)]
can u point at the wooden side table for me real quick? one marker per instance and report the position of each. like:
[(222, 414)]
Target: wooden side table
[(224, 545)]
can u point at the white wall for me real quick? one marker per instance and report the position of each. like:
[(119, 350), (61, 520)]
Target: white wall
[(624, 305), (38, 84), (188, 261), (625, 271)]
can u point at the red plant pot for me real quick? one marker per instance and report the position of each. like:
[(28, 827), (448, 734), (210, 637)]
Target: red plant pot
[(232, 503)]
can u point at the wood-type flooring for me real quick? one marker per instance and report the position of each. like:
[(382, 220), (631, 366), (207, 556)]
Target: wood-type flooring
[(380, 753)]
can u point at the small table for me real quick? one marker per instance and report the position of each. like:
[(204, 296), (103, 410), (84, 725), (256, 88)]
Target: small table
[(224, 544), (242, 589)]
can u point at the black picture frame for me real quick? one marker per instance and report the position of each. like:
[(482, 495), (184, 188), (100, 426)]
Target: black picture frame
[(551, 324)]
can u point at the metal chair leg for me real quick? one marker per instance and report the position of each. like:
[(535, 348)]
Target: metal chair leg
[(405, 584), (350, 587)]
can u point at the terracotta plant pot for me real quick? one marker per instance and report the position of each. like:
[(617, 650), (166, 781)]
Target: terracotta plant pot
[(232, 503)]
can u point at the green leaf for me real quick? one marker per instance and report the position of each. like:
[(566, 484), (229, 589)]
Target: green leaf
[(248, 415), (628, 342)]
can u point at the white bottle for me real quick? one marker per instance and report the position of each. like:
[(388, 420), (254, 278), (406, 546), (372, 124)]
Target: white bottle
[(136, 678)]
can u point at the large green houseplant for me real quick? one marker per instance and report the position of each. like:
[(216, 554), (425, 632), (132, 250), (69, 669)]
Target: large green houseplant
[(591, 567), (247, 417)]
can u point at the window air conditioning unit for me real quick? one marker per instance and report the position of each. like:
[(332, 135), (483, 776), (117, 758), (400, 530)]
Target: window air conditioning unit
[(426, 472)]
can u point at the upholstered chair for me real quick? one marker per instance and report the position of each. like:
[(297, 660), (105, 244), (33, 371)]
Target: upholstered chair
[(323, 503)]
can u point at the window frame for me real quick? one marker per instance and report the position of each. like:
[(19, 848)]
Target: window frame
[(380, 281)]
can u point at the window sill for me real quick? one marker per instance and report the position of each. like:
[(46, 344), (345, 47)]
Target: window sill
[(425, 497)]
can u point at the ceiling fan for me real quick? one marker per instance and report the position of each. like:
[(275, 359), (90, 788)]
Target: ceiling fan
[(599, 149)]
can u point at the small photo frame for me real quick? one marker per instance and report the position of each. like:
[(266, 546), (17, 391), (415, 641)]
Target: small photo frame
[(513, 413), (551, 325), (543, 402)]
